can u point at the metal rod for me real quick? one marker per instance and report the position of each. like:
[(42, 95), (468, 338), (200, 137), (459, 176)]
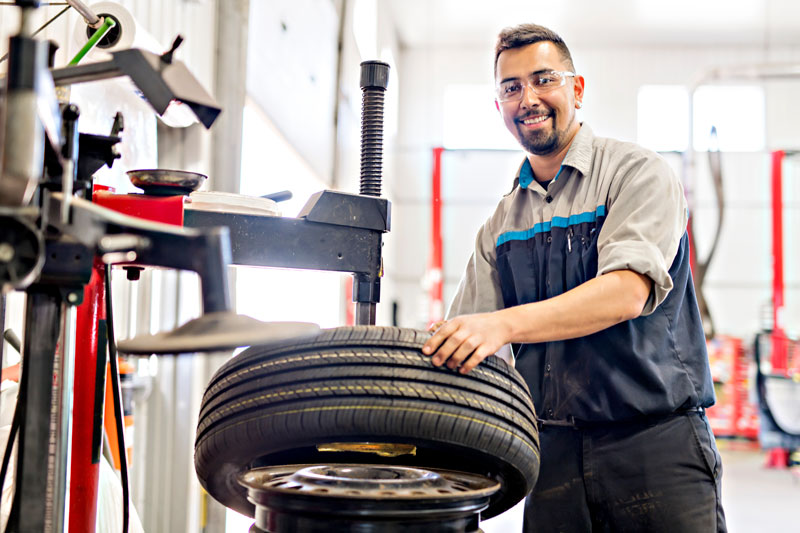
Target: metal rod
[(374, 80), (101, 70), (366, 313), (93, 40), (88, 15)]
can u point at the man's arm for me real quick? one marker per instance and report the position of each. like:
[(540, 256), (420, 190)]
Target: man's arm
[(598, 304)]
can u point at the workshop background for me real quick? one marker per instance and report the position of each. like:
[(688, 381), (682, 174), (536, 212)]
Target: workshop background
[(286, 73)]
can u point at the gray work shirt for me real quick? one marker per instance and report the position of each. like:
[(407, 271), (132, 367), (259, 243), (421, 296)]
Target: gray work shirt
[(612, 206)]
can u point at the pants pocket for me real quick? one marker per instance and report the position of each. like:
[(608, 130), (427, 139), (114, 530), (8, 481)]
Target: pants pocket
[(706, 445)]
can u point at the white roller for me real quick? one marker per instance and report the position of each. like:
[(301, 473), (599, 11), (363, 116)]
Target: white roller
[(132, 35)]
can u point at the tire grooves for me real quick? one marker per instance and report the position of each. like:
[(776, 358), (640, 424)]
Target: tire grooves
[(507, 400), (483, 373), (504, 399), (408, 406), (463, 382), (337, 338), (205, 426)]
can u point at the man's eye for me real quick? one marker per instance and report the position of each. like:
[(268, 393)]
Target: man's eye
[(545, 80), (512, 88)]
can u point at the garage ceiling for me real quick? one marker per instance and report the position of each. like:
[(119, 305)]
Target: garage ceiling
[(423, 23)]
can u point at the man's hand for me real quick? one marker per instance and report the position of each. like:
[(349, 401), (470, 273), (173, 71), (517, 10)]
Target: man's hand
[(436, 325), (467, 340)]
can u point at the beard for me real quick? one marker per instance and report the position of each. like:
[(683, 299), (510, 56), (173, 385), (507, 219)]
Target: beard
[(543, 141), (539, 142)]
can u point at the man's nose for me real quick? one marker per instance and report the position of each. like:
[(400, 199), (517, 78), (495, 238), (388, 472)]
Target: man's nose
[(529, 97)]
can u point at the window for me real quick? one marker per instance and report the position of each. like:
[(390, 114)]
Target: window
[(471, 119), (737, 112), (662, 122)]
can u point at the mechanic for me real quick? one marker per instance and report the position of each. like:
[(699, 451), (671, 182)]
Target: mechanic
[(584, 269)]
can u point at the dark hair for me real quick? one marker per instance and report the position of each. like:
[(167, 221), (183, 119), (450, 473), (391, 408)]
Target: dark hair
[(525, 34)]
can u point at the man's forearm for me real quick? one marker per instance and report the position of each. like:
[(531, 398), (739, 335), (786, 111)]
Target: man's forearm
[(593, 306)]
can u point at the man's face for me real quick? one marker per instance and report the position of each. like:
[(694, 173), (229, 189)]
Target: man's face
[(542, 123)]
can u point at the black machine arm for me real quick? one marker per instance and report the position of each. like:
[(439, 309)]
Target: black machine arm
[(125, 239)]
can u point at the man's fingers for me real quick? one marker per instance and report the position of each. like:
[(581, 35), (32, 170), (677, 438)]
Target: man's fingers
[(449, 347), (463, 351), (479, 355), (433, 327), (446, 328)]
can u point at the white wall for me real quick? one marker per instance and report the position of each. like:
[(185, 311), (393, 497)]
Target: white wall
[(736, 289)]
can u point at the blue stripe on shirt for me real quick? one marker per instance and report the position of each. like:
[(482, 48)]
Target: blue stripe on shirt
[(555, 222)]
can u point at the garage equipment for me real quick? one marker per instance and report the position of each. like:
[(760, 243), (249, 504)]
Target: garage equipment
[(334, 231), (778, 381), (338, 232), (51, 238)]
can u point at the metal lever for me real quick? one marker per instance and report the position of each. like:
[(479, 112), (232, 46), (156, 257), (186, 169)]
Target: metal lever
[(206, 252), (166, 57), (12, 339), (127, 239)]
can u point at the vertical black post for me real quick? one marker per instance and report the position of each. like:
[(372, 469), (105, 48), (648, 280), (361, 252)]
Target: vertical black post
[(31, 511), (374, 80)]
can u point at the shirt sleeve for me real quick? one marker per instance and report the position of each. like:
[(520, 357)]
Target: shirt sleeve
[(646, 218), (479, 289)]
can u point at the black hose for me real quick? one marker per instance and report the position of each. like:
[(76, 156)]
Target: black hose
[(117, 393)]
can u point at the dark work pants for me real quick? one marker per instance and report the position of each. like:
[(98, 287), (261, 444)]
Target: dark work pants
[(656, 476)]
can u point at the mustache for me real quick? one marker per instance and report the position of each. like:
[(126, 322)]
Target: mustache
[(532, 114)]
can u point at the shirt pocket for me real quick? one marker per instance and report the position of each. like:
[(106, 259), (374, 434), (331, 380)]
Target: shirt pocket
[(580, 255), (522, 270)]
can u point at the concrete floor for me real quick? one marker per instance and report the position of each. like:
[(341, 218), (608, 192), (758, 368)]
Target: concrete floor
[(756, 499)]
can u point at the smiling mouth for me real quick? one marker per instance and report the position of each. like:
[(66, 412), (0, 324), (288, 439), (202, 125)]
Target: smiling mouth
[(534, 120)]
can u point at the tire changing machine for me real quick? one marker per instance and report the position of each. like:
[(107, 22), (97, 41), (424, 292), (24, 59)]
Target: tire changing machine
[(52, 243), (342, 232)]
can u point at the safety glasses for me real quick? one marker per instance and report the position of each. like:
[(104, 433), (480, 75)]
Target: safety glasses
[(539, 83)]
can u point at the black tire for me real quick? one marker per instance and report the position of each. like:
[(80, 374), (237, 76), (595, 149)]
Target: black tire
[(274, 405)]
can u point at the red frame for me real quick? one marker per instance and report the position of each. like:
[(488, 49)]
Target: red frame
[(84, 473), (435, 273)]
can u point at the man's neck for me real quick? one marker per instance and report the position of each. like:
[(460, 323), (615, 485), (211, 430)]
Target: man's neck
[(546, 167)]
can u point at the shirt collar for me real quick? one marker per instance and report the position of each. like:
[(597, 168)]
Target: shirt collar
[(579, 157)]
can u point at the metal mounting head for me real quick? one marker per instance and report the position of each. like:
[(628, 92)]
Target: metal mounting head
[(374, 75)]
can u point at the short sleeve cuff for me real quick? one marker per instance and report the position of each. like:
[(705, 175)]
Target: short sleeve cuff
[(641, 257)]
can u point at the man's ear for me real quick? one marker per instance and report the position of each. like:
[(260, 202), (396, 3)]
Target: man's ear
[(579, 81), (497, 105)]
